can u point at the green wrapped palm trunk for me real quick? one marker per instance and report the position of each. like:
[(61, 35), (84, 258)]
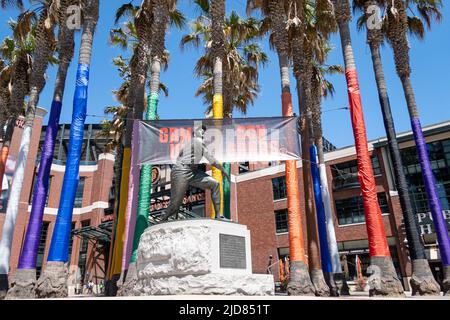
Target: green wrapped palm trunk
[(145, 186), (143, 210)]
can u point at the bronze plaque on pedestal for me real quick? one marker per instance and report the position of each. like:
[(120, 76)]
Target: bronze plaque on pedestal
[(232, 252)]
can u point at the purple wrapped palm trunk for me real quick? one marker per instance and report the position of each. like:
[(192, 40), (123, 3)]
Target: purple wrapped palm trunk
[(133, 195), (28, 255), (433, 198)]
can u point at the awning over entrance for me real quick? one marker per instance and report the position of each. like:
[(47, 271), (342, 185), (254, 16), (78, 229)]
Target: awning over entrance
[(101, 233)]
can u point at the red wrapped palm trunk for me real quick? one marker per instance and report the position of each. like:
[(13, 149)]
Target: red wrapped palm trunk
[(384, 280), (378, 245)]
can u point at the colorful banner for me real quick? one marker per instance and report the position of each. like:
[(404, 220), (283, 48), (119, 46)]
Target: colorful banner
[(228, 140)]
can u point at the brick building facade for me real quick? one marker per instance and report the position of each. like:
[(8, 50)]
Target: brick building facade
[(258, 200), (93, 204), (262, 204)]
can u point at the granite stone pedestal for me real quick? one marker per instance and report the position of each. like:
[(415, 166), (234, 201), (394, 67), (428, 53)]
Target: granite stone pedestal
[(198, 257)]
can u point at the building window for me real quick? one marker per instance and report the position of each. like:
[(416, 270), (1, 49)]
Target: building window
[(439, 153), (279, 188), (281, 221), (351, 210), (376, 165), (41, 249), (345, 175), (80, 193)]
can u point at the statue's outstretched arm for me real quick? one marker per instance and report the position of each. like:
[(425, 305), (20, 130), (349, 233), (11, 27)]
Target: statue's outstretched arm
[(214, 162)]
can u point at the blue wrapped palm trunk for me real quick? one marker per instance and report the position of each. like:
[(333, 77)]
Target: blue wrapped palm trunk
[(59, 248), (320, 210)]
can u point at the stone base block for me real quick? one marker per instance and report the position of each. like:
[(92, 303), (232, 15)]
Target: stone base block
[(197, 257), (208, 284)]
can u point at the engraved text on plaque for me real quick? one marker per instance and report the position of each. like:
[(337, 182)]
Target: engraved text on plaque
[(232, 252)]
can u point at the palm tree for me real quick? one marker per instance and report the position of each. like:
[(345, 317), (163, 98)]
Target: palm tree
[(139, 66), (237, 33), (397, 28), (217, 14), (25, 279), (243, 58), (318, 24), (44, 37), (422, 280), (17, 3), (5, 96), (303, 46), (322, 88), (53, 281), (114, 129), (125, 37), (299, 281), (18, 52), (163, 13), (380, 259)]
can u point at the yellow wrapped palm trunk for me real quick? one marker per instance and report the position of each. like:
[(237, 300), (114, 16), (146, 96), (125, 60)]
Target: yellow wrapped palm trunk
[(216, 173), (120, 226)]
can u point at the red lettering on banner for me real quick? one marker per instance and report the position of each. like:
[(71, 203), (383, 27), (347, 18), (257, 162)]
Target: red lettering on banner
[(247, 138), (240, 135), (262, 139), (174, 135), (185, 134), (163, 135)]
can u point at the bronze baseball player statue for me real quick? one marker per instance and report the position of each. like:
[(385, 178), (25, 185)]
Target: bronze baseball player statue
[(187, 172)]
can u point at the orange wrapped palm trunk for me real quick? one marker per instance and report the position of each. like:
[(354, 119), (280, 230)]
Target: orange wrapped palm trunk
[(296, 239), (299, 280), (384, 280)]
